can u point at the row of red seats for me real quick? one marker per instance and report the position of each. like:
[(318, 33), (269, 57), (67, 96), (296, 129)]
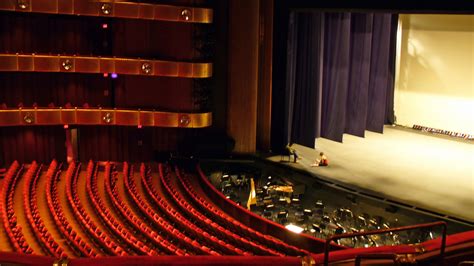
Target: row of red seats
[(30, 205), (185, 224), (12, 228), (127, 215), (106, 243), (191, 245), (205, 223), (209, 224), (229, 222), (74, 241), (117, 227)]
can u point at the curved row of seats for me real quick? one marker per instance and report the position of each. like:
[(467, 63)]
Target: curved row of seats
[(161, 213), (211, 226), (152, 223), (102, 239), (127, 238), (73, 240), (136, 224), (12, 228), (225, 220), (185, 224), (187, 243), (30, 205)]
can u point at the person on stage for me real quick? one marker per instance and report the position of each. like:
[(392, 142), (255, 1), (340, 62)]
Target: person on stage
[(321, 161), (292, 151)]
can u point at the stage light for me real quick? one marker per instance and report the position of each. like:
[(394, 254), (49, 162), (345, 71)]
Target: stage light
[(139, 126), (105, 26), (106, 75), (293, 228), (66, 126), (114, 75)]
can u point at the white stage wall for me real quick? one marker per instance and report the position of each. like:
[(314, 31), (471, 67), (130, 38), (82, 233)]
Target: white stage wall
[(435, 72)]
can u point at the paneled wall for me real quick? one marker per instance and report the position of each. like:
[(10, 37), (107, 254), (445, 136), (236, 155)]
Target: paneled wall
[(28, 33), (435, 81), (250, 74), (243, 74), (130, 143), (32, 143)]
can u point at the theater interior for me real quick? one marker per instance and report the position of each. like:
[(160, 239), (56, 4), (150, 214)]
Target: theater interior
[(236, 132)]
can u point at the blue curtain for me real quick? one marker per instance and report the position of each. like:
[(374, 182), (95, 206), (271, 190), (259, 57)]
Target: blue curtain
[(304, 58), (339, 74)]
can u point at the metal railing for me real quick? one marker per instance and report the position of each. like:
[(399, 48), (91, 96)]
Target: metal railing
[(390, 230), (376, 256)]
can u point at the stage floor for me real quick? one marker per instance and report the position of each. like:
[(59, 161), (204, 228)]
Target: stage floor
[(430, 172)]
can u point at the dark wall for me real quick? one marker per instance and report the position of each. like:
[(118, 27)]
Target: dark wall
[(130, 143), (26, 144), (219, 79)]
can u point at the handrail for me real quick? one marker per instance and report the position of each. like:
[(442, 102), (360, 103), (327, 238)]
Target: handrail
[(112, 8), (375, 256), (390, 230), (102, 116), (96, 64), (466, 263)]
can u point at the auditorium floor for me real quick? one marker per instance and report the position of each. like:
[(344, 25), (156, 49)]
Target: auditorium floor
[(429, 172)]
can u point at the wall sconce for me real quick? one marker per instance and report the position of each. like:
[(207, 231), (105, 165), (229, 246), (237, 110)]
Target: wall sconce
[(107, 118), (184, 120), (186, 14), (147, 68), (28, 118), (106, 9), (67, 65), (22, 4)]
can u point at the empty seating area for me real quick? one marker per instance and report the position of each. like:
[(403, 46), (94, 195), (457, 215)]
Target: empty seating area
[(160, 210), (30, 203), (228, 222), (10, 224), (72, 239)]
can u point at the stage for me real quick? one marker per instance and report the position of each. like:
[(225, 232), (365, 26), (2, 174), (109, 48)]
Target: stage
[(430, 172)]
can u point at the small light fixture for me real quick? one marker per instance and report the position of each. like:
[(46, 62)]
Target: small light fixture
[(139, 126), (28, 118), (184, 120), (106, 75), (67, 65), (146, 68), (114, 75), (105, 26), (66, 126), (22, 4), (186, 14), (107, 118), (106, 8), (293, 228)]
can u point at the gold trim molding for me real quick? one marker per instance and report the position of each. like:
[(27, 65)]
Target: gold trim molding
[(85, 64), (111, 8), (99, 116)]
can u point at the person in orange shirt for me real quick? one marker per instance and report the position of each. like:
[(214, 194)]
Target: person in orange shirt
[(321, 161)]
